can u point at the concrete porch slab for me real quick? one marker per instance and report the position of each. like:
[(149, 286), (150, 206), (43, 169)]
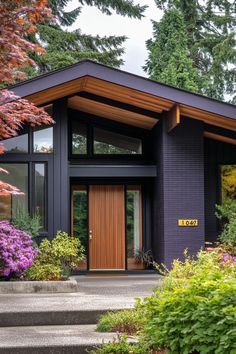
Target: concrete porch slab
[(41, 287)]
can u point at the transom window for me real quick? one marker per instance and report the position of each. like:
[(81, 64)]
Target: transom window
[(38, 140), (107, 142), (98, 141)]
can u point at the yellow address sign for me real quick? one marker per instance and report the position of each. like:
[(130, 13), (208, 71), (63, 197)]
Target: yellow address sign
[(188, 222)]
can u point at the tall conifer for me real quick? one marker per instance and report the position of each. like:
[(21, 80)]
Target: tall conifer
[(211, 43), (64, 47)]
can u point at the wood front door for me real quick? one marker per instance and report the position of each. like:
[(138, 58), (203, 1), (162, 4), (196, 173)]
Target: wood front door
[(106, 227)]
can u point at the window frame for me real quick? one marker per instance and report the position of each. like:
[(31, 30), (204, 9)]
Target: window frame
[(108, 125), (31, 189)]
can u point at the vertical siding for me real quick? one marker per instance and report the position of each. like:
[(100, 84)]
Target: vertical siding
[(61, 188)]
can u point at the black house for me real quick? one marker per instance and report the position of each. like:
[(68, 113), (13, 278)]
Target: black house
[(131, 165)]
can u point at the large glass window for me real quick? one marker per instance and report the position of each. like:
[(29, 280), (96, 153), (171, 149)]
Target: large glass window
[(107, 142), (134, 227), (16, 145), (79, 138), (40, 187), (18, 177), (80, 218), (43, 140)]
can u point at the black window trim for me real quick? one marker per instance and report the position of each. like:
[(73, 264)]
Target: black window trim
[(98, 122)]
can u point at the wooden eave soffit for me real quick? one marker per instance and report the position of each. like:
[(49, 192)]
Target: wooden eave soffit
[(132, 97)]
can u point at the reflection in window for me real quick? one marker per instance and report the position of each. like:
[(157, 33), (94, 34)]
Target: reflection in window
[(134, 226), (18, 177), (17, 145), (80, 217), (228, 182), (39, 183), (107, 142), (43, 140), (79, 138)]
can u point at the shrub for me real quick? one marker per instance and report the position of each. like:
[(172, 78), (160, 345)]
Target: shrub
[(195, 310), (126, 321), (16, 251), (56, 258), (227, 214), (119, 345), (23, 221)]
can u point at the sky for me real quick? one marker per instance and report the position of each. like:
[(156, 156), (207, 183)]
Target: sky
[(92, 21)]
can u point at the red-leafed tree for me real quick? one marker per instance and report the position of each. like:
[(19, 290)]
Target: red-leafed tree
[(18, 18)]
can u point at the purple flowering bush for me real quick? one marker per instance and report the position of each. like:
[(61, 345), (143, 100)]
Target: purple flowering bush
[(16, 251)]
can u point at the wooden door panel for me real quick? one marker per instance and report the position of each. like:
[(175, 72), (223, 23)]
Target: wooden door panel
[(107, 226)]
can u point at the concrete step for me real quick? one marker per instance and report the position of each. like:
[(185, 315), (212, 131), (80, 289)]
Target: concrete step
[(51, 339), (57, 309), (50, 318)]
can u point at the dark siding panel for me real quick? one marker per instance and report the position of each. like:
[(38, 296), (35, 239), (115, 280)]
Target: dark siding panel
[(179, 191), (61, 170), (158, 198)]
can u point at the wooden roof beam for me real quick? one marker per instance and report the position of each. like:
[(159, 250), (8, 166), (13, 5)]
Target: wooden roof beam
[(218, 137), (173, 118)]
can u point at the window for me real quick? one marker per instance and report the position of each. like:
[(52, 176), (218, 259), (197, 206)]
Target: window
[(80, 217), (16, 145), (79, 138), (107, 142), (18, 177), (43, 140), (88, 140), (40, 188), (133, 225)]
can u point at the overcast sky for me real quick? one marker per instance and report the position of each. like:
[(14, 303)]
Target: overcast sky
[(91, 21)]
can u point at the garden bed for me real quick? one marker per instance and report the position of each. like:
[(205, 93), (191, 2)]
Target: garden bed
[(31, 287)]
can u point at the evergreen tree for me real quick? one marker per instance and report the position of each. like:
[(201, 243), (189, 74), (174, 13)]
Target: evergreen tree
[(169, 59), (64, 47), (211, 42)]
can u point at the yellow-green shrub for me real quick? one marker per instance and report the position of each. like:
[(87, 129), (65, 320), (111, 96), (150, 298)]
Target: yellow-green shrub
[(56, 258)]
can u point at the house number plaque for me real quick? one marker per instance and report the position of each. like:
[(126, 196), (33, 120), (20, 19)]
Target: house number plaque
[(188, 222)]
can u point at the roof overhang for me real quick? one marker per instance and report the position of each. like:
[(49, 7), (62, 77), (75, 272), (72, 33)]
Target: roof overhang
[(150, 97)]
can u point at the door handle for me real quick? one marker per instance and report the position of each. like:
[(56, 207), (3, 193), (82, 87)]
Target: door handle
[(90, 234)]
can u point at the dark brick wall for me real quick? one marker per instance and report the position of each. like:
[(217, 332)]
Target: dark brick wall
[(179, 190), (216, 154)]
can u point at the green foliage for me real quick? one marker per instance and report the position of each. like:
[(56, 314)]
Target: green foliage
[(169, 58), (226, 213), (195, 310), (126, 321), (56, 258), (23, 221), (64, 47), (207, 33), (228, 182), (119, 346)]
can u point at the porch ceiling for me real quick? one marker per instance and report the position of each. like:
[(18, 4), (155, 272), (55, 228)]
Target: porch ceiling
[(110, 112), (126, 95)]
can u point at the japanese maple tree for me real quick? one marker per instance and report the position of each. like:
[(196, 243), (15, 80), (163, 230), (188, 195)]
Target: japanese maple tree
[(18, 18)]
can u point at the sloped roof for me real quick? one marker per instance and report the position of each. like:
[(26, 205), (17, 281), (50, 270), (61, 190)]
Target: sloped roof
[(151, 96)]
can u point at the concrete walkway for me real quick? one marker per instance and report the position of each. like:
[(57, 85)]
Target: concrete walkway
[(94, 293), (65, 323)]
